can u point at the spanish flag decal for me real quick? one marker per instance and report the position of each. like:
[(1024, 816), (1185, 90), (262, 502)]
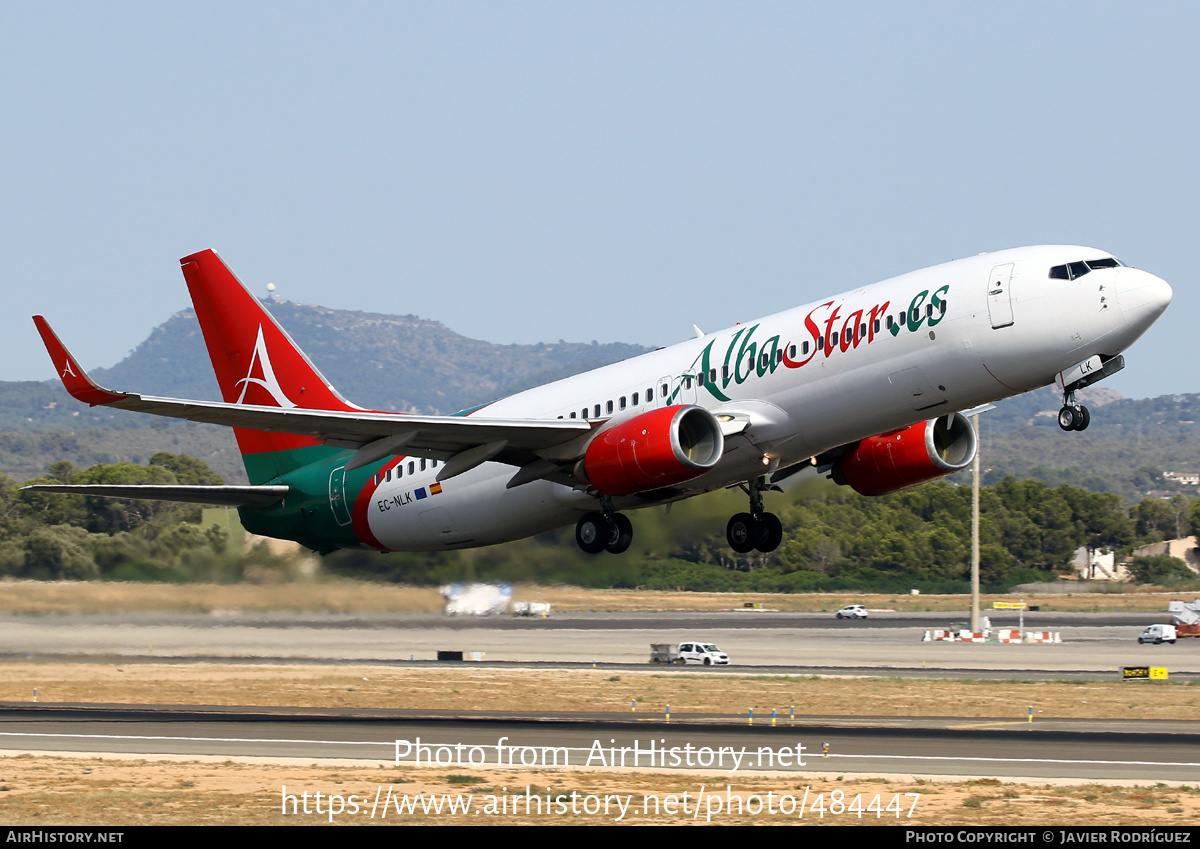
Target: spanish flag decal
[(435, 489)]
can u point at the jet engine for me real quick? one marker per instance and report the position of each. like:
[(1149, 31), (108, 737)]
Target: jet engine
[(903, 458), (655, 449)]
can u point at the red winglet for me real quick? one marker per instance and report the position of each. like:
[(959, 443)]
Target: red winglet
[(74, 378)]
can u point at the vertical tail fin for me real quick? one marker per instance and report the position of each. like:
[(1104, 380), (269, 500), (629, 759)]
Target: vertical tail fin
[(256, 362)]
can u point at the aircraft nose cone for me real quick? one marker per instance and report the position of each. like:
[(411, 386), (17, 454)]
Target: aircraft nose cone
[(1160, 294), (1142, 296)]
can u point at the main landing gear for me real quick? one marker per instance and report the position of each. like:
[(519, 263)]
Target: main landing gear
[(605, 531), (756, 530), (1073, 416)]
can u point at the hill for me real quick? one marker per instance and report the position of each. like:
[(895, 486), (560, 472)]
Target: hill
[(383, 362), (386, 362)]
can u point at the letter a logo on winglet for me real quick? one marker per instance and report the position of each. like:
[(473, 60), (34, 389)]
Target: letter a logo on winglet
[(67, 370), (268, 380)]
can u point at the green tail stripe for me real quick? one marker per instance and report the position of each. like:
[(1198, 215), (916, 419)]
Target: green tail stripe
[(268, 466)]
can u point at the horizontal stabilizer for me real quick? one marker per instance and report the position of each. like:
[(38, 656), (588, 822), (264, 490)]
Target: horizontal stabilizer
[(229, 496)]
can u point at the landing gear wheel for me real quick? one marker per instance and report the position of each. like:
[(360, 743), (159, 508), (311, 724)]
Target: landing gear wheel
[(740, 533), (592, 533), (1074, 417), (768, 533), (620, 534)]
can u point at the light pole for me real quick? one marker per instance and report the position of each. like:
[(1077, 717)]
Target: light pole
[(975, 530)]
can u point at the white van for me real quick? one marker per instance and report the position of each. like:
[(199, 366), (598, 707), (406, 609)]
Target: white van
[(705, 653), (1158, 634)]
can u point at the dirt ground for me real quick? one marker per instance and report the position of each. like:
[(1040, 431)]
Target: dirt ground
[(507, 689), (37, 790), (38, 597)]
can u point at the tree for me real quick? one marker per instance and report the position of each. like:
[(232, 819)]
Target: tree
[(187, 470), (1159, 569), (1154, 520), (58, 553)]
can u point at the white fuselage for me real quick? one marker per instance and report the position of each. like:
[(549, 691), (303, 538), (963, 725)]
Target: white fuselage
[(807, 380)]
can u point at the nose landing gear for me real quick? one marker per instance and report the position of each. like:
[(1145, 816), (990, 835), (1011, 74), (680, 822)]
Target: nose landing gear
[(756, 530), (1073, 416)]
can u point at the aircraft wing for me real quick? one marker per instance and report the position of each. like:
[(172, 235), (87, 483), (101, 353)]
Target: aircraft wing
[(375, 435), (230, 496)]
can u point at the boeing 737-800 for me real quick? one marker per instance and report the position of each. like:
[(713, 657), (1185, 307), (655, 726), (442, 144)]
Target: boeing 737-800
[(869, 386)]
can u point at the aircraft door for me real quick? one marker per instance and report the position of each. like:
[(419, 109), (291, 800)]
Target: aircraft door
[(683, 389), (337, 496), (663, 388), (999, 289)]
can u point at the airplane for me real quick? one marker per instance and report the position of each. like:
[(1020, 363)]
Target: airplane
[(873, 388)]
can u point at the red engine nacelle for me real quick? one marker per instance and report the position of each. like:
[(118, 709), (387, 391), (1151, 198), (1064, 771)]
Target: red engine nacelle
[(902, 458), (655, 449)]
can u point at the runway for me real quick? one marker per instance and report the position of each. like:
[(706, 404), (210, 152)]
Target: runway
[(1074, 749), (890, 643)]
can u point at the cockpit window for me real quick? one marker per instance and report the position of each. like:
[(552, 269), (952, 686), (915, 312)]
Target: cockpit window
[(1074, 270)]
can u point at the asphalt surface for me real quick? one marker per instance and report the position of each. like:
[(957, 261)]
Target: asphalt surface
[(1075, 749), (891, 643)]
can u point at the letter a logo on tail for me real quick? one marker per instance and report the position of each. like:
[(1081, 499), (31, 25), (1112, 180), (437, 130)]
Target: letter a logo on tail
[(268, 381)]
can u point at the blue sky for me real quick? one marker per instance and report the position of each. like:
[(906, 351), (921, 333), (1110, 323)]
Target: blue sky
[(616, 171)]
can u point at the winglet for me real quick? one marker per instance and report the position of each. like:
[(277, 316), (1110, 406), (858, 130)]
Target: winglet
[(74, 378)]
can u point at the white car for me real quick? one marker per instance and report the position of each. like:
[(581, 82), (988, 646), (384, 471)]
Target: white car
[(704, 653), (852, 611)]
